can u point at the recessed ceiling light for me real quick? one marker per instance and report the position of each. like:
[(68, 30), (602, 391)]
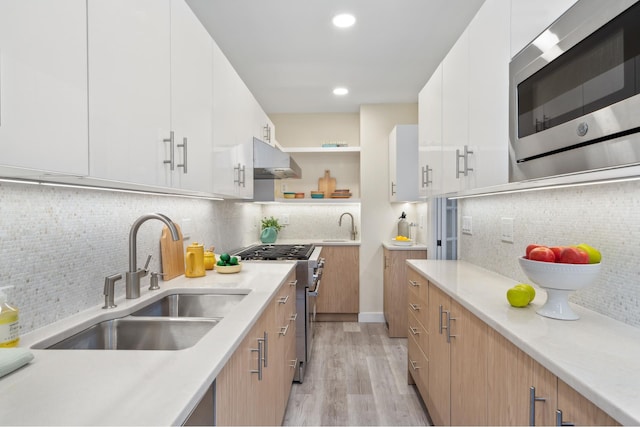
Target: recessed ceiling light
[(340, 91), (344, 20)]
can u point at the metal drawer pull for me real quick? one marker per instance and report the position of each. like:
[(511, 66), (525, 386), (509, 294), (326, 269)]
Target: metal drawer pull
[(393, 186), (184, 155), (171, 162), (414, 365), (265, 349), (283, 300), (293, 283), (532, 405), (283, 330), (414, 307), (440, 325), (293, 317), (559, 421), (465, 161), (414, 331), (259, 351), (294, 363), (414, 283), (449, 319)]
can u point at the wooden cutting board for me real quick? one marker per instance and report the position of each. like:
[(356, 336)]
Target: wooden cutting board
[(172, 254), (327, 184)]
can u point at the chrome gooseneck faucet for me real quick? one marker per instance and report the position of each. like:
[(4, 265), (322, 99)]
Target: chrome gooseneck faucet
[(354, 232), (134, 274)]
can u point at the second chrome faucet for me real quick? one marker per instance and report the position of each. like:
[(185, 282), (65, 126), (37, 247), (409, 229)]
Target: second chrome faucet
[(354, 231)]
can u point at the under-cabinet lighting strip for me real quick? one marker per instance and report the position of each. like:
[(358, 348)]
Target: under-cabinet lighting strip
[(548, 187), (92, 187)]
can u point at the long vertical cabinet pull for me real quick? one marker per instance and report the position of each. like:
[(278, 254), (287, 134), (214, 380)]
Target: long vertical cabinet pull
[(425, 176), (532, 405), (559, 421), (241, 173), (259, 350), (440, 325), (172, 161), (465, 160), (393, 186), (184, 155), (448, 328), (265, 349)]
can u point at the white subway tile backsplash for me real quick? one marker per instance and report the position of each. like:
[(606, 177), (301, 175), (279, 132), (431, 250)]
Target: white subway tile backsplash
[(606, 216)]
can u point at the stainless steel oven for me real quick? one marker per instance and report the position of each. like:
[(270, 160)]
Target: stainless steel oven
[(309, 269), (575, 93)]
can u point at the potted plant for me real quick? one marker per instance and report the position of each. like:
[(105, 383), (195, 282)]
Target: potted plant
[(270, 228)]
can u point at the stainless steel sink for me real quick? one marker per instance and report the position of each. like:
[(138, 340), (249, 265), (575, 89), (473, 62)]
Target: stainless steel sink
[(214, 306), (138, 334), (335, 240)]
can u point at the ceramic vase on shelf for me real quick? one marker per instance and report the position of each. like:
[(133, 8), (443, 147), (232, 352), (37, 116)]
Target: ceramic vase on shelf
[(269, 235)]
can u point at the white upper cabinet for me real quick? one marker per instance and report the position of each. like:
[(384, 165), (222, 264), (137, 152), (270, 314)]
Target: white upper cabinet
[(430, 136), (530, 18), (150, 91), (43, 85), (233, 117), (129, 90), (191, 100), (403, 162)]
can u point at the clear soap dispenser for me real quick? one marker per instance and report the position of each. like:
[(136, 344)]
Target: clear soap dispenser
[(403, 226), (9, 327)]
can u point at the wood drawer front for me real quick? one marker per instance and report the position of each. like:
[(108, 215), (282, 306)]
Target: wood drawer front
[(418, 285), (418, 331), (419, 308), (418, 365)]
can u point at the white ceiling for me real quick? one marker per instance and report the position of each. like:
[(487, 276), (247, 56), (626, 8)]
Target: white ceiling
[(291, 57)]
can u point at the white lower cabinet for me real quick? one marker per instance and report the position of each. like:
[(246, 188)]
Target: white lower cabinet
[(43, 85)]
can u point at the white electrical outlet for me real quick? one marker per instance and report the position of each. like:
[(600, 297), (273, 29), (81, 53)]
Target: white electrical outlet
[(186, 228), (467, 225), (285, 219), (506, 230)]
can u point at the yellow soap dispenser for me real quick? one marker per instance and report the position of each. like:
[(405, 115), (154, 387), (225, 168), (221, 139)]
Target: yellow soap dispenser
[(9, 327)]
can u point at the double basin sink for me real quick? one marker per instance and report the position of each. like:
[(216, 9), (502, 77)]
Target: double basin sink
[(174, 322)]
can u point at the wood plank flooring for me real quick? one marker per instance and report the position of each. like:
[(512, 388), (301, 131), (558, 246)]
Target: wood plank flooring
[(357, 376)]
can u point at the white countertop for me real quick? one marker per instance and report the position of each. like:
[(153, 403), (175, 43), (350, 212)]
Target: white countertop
[(596, 355), (121, 387), (317, 242)]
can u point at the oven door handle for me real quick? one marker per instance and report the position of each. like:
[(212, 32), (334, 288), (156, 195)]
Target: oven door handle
[(314, 292)]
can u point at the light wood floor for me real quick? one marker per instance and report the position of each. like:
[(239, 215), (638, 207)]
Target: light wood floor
[(357, 376)]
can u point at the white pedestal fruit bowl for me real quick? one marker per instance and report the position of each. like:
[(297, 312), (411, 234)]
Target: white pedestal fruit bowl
[(559, 280)]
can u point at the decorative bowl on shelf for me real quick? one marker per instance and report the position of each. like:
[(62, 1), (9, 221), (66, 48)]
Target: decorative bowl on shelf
[(289, 195), (317, 194), (559, 280), (299, 195)]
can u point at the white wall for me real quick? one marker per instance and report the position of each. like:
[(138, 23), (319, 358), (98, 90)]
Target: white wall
[(379, 217)]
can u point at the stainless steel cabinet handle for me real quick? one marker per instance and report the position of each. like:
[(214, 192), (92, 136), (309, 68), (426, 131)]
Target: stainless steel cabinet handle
[(465, 161), (293, 283), (242, 170), (414, 307), (393, 185), (294, 363), (241, 175), (425, 176), (559, 421), (449, 319), (184, 155), (293, 317), (283, 300), (265, 351), (440, 325), (284, 330), (414, 331), (259, 350), (532, 405), (414, 365), (414, 283), (172, 161)]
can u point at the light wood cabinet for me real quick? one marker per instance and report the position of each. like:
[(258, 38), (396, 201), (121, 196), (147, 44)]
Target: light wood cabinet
[(417, 313), (43, 85), (254, 386), (403, 162), (438, 399), (395, 289), (578, 410), (339, 295)]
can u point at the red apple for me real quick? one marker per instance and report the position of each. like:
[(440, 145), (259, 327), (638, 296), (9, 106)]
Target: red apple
[(573, 255), (542, 253), (530, 248), (556, 251)]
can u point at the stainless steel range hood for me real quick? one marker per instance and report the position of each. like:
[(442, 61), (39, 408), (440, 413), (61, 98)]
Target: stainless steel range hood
[(271, 163)]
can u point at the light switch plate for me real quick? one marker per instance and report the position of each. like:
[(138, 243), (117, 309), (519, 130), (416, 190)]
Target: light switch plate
[(506, 230), (467, 225), (285, 219)]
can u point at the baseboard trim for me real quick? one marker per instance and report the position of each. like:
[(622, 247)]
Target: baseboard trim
[(371, 317)]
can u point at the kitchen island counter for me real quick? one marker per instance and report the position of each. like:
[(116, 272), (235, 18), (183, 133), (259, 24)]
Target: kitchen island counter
[(596, 355), (126, 387)]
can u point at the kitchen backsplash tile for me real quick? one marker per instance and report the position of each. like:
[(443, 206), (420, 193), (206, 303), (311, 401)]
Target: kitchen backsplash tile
[(315, 221), (606, 216), (58, 244)]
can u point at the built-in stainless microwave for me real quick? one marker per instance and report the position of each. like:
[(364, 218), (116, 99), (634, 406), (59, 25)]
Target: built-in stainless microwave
[(575, 93)]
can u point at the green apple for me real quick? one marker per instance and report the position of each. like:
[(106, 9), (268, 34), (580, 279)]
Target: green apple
[(518, 297), (528, 288), (594, 254)]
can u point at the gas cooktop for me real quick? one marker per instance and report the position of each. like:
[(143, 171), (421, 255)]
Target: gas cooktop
[(276, 252)]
